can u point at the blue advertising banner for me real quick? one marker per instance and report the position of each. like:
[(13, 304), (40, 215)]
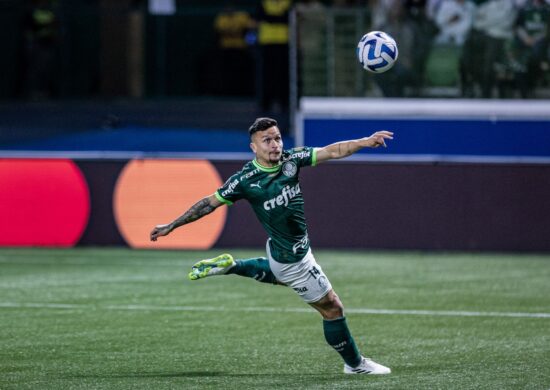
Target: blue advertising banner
[(506, 131), (459, 137)]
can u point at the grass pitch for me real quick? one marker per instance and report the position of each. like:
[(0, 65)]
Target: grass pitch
[(125, 319)]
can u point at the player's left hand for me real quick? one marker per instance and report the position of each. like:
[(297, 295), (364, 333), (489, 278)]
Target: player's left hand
[(160, 230), (379, 138)]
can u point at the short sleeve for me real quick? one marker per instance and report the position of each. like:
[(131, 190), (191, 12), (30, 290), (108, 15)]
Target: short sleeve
[(230, 192), (304, 156)]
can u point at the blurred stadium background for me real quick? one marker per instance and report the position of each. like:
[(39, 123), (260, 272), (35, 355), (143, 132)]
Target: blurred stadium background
[(104, 89), (116, 115)]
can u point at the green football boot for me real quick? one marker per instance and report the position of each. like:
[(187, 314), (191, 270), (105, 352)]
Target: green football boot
[(217, 266)]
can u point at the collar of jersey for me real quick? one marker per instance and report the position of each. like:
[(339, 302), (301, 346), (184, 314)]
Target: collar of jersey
[(266, 169)]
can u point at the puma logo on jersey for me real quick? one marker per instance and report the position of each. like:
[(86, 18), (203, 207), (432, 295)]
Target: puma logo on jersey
[(283, 198), (255, 185)]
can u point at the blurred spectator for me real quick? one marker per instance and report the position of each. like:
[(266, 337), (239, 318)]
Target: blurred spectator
[(233, 61), (309, 5), (273, 35), (380, 10), (311, 19), (311, 9), (310, 13), (424, 31), (454, 20), (346, 3), (531, 45), (395, 82), (42, 38), (485, 46)]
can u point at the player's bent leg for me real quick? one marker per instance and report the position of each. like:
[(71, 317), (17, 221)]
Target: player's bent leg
[(256, 268), (329, 306), (309, 281), (339, 337), (336, 329), (219, 265)]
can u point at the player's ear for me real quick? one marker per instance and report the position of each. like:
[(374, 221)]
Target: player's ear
[(253, 147)]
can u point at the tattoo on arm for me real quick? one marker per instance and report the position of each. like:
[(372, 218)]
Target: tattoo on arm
[(344, 149), (197, 211), (349, 152), (341, 149)]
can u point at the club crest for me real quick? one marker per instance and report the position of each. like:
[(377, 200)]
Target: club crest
[(289, 169), (323, 282)]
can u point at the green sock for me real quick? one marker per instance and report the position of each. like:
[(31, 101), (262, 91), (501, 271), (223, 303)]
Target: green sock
[(256, 268), (339, 337)]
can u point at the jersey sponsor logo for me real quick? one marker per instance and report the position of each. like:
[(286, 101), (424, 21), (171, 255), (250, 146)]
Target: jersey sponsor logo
[(283, 198), (300, 290), (230, 188), (289, 169), (303, 243), (249, 174), (302, 154)]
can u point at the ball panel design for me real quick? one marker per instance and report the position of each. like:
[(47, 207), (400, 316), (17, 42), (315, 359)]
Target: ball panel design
[(377, 51)]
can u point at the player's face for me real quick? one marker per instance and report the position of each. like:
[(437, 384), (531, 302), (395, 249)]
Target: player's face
[(268, 146)]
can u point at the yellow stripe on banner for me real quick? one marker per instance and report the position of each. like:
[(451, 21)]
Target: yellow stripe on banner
[(273, 33), (276, 7)]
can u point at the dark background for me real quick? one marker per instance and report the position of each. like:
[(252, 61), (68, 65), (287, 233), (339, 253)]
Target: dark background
[(382, 206)]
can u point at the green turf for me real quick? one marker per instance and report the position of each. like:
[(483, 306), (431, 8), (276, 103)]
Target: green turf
[(131, 320)]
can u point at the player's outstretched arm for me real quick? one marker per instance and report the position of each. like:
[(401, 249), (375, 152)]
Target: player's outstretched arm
[(347, 148), (203, 207)]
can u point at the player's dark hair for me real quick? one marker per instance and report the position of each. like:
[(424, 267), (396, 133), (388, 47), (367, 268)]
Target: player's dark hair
[(261, 124)]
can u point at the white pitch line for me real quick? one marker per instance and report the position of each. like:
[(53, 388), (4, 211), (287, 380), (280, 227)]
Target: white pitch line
[(448, 313), (40, 305), (118, 263)]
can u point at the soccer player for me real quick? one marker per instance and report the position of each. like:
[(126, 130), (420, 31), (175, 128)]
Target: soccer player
[(270, 183)]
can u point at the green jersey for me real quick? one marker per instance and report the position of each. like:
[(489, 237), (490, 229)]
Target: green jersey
[(276, 197)]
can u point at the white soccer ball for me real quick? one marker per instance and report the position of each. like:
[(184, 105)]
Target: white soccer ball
[(377, 51)]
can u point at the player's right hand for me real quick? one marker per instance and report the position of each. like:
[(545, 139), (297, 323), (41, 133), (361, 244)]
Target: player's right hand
[(378, 139), (160, 230)]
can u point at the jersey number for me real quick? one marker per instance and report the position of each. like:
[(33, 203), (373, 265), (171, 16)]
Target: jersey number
[(314, 271)]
